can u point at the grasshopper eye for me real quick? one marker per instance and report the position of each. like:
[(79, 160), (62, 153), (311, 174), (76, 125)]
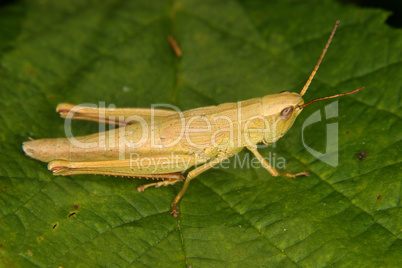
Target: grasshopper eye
[(286, 113)]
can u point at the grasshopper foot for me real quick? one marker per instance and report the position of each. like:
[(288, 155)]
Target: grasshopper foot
[(293, 176), (141, 188), (165, 182), (174, 213)]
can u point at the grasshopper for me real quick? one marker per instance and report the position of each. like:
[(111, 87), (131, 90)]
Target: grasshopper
[(199, 138)]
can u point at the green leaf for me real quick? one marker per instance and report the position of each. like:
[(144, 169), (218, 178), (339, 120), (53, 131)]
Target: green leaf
[(117, 52)]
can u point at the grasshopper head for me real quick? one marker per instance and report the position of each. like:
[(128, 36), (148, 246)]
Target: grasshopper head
[(280, 111)]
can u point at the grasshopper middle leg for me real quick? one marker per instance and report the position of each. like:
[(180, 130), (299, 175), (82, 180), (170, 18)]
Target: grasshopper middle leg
[(191, 175), (165, 182)]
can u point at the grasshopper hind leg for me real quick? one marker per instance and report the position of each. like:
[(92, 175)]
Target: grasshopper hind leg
[(113, 168)]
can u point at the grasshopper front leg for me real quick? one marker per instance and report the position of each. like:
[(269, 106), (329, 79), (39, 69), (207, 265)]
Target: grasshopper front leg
[(271, 169)]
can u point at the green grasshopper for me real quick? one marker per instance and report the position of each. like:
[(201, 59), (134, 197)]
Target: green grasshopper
[(174, 142)]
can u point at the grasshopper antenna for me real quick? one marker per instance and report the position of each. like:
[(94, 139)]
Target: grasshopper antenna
[(320, 60), (330, 97)]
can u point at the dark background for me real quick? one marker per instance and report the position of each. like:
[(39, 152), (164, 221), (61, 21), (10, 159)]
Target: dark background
[(395, 20)]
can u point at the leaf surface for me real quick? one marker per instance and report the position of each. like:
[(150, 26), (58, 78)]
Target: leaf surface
[(116, 52)]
